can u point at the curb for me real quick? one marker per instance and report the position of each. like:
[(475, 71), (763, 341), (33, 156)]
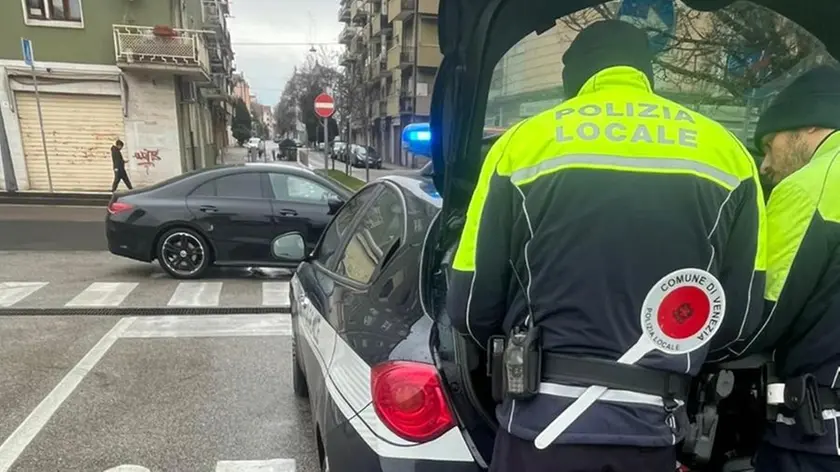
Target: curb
[(61, 199), (146, 311)]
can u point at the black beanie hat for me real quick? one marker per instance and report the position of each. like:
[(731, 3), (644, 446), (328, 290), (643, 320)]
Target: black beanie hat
[(813, 99), (604, 44)]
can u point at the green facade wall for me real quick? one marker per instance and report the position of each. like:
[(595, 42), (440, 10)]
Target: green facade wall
[(93, 44)]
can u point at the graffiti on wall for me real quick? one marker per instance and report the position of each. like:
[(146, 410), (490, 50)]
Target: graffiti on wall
[(146, 158)]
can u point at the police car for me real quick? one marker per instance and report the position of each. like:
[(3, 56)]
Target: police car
[(391, 386), (367, 348)]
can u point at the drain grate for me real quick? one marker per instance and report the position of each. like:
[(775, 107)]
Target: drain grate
[(144, 311)]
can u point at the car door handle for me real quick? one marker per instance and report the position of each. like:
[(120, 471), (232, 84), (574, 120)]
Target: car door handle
[(288, 212), (208, 209)]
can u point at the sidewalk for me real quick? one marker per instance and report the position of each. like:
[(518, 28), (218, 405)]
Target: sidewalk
[(235, 155)]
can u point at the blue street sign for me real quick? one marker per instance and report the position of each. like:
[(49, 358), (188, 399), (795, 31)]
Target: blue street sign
[(28, 53), (657, 17), (740, 64)]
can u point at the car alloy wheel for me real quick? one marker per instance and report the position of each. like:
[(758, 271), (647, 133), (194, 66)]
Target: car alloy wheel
[(183, 254)]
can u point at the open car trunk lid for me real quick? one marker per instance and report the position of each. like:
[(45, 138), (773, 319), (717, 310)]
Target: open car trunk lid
[(473, 37)]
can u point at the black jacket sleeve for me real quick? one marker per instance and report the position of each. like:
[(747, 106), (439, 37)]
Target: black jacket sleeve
[(481, 270), (743, 265)]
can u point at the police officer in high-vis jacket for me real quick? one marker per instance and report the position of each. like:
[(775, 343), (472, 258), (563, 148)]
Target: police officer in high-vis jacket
[(578, 213), (800, 138)]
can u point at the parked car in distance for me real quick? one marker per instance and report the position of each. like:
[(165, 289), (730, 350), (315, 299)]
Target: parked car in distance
[(359, 155), (257, 143), (224, 216), (338, 150)]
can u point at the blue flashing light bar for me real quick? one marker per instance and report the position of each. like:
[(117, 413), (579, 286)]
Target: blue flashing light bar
[(417, 139)]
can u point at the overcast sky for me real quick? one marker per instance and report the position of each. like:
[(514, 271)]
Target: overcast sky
[(259, 21)]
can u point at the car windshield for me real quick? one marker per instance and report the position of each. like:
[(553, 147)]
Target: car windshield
[(726, 64)]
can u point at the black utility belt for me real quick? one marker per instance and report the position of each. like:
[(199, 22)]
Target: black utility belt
[(517, 364), (564, 369), (804, 400)]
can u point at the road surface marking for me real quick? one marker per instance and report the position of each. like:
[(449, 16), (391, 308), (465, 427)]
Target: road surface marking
[(196, 294), (13, 292), (103, 294), (275, 293), (14, 445), (275, 465), (174, 326)]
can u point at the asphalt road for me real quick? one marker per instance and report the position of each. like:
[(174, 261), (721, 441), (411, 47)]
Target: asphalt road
[(52, 228), (93, 281), (163, 393), (133, 393)]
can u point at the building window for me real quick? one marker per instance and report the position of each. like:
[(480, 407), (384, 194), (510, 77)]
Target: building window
[(40, 12)]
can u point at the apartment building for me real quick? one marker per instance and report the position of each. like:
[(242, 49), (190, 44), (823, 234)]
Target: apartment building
[(392, 48), (154, 73)]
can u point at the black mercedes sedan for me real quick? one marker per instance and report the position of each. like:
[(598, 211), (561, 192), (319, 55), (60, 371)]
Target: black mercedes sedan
[(224, 216)]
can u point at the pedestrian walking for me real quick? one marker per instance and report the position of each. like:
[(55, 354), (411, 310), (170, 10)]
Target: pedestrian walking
[(800, 136), (579, 212), (119, 167)]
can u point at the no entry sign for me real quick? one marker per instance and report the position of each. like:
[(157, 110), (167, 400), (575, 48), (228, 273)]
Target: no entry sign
[(681, 314), (324, 105)]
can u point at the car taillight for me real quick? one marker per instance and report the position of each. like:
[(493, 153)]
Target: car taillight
[(408, 397), (119, 207)]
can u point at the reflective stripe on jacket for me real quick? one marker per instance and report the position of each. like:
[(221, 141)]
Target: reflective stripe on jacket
[(803, 287), (578, 212)]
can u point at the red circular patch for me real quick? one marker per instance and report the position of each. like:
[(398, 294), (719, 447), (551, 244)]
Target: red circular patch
[(683, 312)]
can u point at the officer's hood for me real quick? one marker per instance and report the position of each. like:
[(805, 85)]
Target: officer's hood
[(475, 34)]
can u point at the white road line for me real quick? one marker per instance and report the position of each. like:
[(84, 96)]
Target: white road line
[(103, 294), (14, 445), (196, 294), (174, 326), (275, 293), (274, 465), (13, 292)]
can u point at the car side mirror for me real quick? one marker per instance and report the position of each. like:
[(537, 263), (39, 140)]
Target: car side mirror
[(289, 247), (335, 204)]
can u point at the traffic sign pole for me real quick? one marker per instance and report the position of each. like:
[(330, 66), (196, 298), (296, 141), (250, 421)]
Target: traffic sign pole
[(29, 58), (325, 107), (326, 140)]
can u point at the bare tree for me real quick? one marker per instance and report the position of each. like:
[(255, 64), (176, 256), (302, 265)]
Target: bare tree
[(316, 75), (352, 98), (725, 55)]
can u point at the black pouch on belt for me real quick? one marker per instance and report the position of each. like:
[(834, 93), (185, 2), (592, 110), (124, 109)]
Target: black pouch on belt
[(802, 397)]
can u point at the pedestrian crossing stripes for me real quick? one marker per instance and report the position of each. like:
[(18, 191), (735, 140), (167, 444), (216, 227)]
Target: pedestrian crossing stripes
[(196, 294), (102, 294), (13, 292), (148, 293)]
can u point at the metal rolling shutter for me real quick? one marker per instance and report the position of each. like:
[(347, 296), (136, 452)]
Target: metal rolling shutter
[(79, 130)]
